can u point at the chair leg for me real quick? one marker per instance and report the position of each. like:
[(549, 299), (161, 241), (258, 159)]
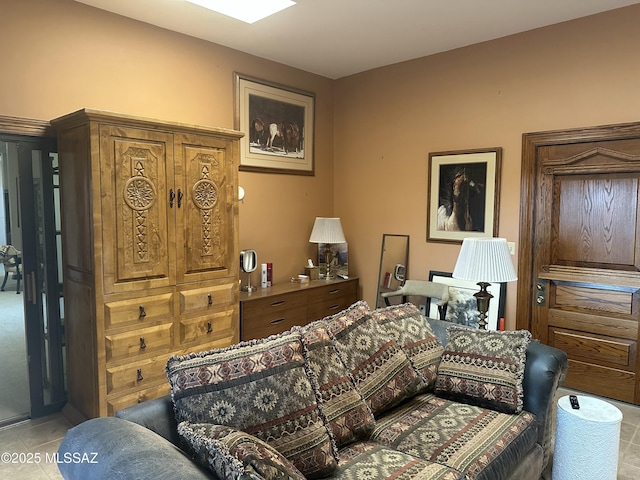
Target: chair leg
[(19, 278), (6, 275)]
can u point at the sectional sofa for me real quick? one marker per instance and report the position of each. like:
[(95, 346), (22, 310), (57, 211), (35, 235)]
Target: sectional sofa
[(364, 394)]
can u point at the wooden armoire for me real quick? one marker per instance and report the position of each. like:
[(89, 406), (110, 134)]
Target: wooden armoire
[(150, 251)]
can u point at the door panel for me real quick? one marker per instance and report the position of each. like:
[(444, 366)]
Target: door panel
[(581, 275)]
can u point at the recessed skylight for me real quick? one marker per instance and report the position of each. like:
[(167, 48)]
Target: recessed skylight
[(248, 11)]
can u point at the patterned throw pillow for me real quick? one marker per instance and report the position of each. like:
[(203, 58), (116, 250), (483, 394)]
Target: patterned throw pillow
[(233, 454), (381, 370), (484, 368), (413, 333), (259, 387), (347, 414)]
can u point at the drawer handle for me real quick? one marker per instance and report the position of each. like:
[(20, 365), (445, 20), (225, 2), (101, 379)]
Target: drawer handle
[(277, 321), (180, 195), (143, 345), (142, 312), (172, 196), (140, 377), (334, 291), (210, 299), (209, 329), (278, 303), (334, 307)]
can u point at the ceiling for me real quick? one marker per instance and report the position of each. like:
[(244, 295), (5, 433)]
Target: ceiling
[(336, 38)]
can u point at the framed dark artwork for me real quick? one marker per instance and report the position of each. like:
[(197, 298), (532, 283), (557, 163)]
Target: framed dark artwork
[(462, 307), (463, 194), (278, 123)]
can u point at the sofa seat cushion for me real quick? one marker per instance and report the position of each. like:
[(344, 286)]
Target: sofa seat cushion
[(347, 414), (481, 443), (262, 388), (371, 461), (413, 333), (380, 368), (235, 455)]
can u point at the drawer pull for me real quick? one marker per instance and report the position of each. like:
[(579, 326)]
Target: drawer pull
[(172, 196), (180, 195), (210, 299), (139, 376), (143, 345), (277, 321), (334, 291), (142, 312), (209, 329), (278, 303), (334, 307)]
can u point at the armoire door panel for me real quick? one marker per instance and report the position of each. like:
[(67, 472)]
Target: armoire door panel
[(203, 217), (135, 197)]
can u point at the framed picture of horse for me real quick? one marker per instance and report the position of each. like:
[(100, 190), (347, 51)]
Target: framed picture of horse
[(463, 194), (278, 123)]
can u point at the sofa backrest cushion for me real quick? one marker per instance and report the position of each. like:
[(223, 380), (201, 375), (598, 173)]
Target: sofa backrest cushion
[(260, 387), (234, 454), (413, 333), (484, 368), (381, 370), (348, 416)]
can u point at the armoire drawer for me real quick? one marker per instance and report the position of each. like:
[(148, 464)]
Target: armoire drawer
[(118, 403), (200, 300), (137, 374), (143, 341), (138, 310), (207, 328)]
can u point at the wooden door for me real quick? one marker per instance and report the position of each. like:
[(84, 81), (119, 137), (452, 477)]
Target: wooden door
[(136, 174), (205, 218), (579, 263)]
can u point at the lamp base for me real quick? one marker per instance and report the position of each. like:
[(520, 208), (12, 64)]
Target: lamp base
[(482, 299)]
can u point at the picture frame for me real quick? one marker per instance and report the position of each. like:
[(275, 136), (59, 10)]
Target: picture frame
[(278, 123), (463, 194), (462, 308)]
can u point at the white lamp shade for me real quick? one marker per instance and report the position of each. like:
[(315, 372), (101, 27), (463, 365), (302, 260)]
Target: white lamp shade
[(327, 230), (485, 260)]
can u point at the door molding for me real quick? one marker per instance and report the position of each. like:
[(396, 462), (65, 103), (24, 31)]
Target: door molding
[(531, 143)]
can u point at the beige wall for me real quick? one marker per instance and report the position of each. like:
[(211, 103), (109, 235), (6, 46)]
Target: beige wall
[(581, 73), (60, 56), (373, 130)]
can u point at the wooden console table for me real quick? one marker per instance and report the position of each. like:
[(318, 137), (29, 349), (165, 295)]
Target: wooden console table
[(276, 309)]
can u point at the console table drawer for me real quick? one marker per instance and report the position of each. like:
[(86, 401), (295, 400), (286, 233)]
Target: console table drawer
[(272, 304), (329, 306), (273, 322)]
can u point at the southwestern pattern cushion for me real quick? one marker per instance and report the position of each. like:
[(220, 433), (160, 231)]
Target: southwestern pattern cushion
[(347, 414), (259, 387), (381, 370), (413, 333), (232, 454), (370, 461), (484, 368), (481, 443)]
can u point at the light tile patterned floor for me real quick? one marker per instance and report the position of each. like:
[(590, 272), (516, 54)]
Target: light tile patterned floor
[(42, 436)]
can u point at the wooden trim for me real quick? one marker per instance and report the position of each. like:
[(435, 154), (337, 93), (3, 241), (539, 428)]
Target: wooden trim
[(26, 126)]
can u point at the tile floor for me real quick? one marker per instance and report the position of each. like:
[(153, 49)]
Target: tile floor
[(43, 435)]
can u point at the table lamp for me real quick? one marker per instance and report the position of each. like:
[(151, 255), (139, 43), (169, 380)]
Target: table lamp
[(486, 261), (327, 231)]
